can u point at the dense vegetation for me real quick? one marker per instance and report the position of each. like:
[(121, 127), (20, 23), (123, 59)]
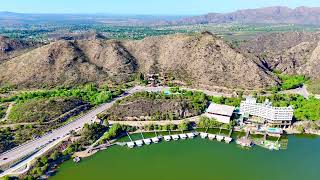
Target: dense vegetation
[(183, 126), (158, 106), (232, 32), (42, 110), (291, 82), (91, 133), (90, 93), (115, 131), (206, 122), (6, 139), (231, 101)]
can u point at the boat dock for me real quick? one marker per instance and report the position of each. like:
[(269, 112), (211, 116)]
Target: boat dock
[(155, 140), (219, 137), (245, 141)]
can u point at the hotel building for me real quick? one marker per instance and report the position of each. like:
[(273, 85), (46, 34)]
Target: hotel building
[(273, 116)]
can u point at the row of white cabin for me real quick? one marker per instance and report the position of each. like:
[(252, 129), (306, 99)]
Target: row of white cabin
[(155, 140), (215, 136)]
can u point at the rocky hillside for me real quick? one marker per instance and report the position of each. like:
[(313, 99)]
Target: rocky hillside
[(268, 15), (200, 60), (64, 62), (10, 48), (292, 53)]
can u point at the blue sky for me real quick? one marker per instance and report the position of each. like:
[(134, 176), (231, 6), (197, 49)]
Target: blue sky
[(164, 7)]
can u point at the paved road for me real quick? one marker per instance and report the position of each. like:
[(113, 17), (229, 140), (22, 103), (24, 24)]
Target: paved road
[(300, 91), (57, 135)]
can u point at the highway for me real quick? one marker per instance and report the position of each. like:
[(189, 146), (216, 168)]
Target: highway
[(58, 135)]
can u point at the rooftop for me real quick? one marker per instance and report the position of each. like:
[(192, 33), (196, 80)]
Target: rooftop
[(220, 109)]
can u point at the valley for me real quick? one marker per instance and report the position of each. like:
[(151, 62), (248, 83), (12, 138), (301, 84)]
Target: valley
[(73, 85)]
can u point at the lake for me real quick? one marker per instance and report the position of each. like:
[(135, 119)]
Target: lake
[(200, 159)]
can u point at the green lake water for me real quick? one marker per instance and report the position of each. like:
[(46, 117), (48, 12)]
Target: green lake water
[(199, 159)]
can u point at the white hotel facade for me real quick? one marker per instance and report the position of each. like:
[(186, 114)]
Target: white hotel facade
[(273, 116)]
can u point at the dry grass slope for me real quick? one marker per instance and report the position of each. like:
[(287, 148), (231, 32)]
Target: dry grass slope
[(201, 59)]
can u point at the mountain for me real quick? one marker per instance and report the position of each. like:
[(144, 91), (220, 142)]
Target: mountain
[(203, 60), (200, 60), (268, 15), (291, 52)]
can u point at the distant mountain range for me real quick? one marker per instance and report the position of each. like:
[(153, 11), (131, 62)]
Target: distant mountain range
[(268, 15)]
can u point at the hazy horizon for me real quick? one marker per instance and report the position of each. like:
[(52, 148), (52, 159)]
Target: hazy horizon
[(144, 7)]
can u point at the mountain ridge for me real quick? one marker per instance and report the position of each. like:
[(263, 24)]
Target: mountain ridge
[(267, 15), (201, 60)]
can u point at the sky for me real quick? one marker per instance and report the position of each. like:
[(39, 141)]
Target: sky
[(141, 7)]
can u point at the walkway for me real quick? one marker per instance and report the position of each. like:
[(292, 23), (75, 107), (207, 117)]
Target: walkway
[(163, 122), (7, 112)]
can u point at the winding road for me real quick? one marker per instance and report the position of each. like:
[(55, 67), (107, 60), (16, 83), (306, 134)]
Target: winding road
[(58, 135)]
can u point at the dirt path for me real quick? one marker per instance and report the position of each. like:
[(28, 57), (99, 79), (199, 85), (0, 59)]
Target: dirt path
[(7, 112), (300, 91), (163, 122)]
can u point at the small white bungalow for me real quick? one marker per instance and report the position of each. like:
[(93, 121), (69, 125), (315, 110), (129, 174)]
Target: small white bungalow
[(167, 138), (211, 136), (203, 135), (227, 139), (139, 143), (175, 137), (130, 144), (183, 136), (190, 135), (155, 140), (147, 141), (220, 138)]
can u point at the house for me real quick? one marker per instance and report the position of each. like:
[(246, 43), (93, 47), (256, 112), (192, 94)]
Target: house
[(221, 113), (266, 113)]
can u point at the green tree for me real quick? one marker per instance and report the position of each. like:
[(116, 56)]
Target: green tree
[(185, 125), (44, 160), (55, 155)]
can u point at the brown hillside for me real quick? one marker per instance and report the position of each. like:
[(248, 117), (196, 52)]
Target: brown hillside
[(292, 53), (202, 59)]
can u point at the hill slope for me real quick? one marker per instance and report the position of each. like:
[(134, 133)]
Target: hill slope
[(202, 59), (292, 53), (63, 62)]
